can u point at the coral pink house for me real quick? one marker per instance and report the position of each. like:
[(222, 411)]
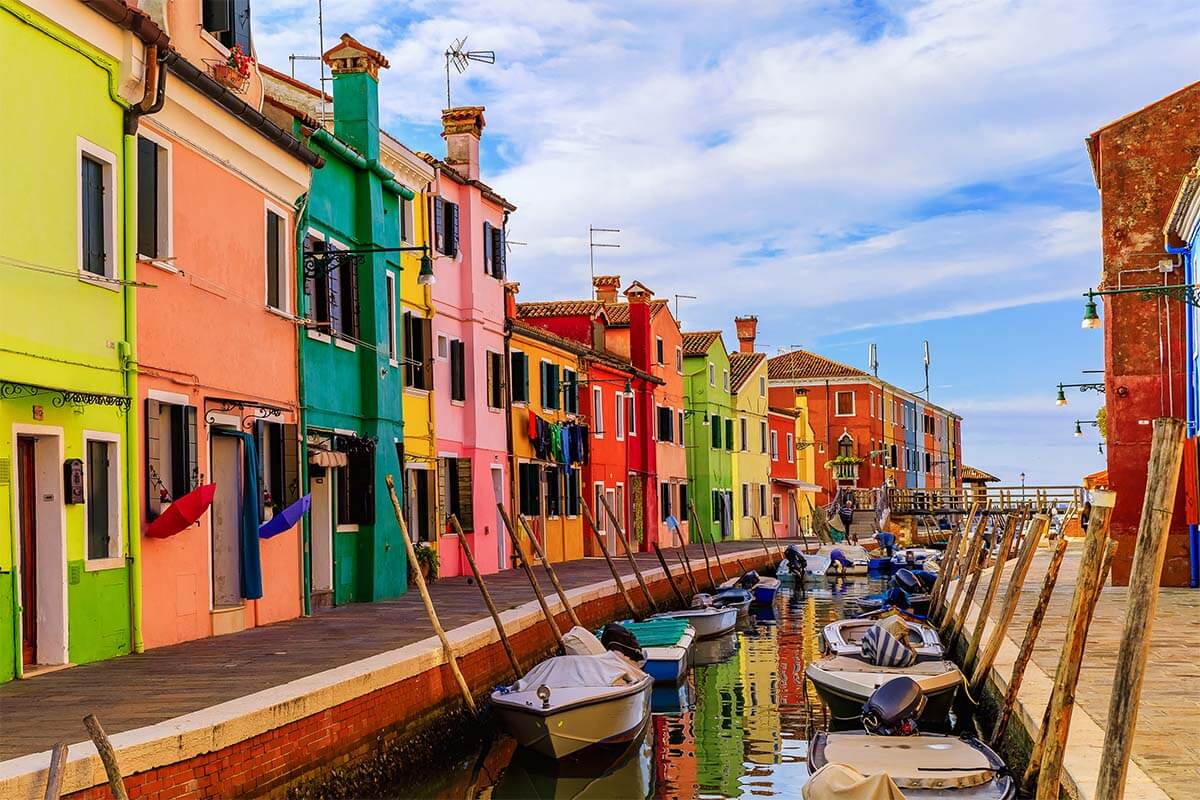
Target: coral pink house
[(216, 346), (467, 220)]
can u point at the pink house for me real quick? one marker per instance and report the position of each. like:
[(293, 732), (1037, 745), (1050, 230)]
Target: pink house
[(467, 221)]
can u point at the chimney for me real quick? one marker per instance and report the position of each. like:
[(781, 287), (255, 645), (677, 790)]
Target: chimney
[(747, 331), (640, 339), (511, 288), (461, 128), (607, 287), (356, 94)]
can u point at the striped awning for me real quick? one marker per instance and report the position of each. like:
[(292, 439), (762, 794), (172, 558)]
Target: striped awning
[(327, 458)]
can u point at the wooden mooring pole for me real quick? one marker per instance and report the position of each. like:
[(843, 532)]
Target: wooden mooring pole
[(612, 567), (989, 597), (487, 596), (108, 757), (425, 598), (1166, 454), (960, 618), (558, 587), (670, 578), (685, 561), (771, 559), (54, 776), (968, 564), (949, 567), (704, 548), (524, 562), (637, 573)]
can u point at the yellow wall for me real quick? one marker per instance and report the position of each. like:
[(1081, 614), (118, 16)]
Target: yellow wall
[(752, 465), (806, 462)]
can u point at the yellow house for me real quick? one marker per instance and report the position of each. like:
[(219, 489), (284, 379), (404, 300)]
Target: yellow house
[(419, 448), (543, 382), (806, 463), (751, 444)]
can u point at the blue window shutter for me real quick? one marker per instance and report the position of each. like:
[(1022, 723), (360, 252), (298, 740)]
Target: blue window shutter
[(439, 225), (487, 248), (453, 230)]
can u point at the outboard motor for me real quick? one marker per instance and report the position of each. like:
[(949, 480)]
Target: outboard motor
[(795, 559), (748, 581), (897, 598), (701, 600), (894, 708), (620, 639), (906, 580), (925, 578)]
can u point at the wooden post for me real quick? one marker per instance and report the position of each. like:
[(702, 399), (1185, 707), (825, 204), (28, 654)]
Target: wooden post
[(989, 597), (558, 588), (1026, 651), (429, 609), (955, 554), (945, 573), (524, 562), (969, 562), (54, 776), (700, 528), (763, 539), (1016, 584), (612, 567), (685, 561), (108, 757), (1048, 749), (960, 618), (487, 596), (1166, 453), (637, 573), (670, 578)]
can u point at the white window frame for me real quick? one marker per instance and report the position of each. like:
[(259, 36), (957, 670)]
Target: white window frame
[(109, 174), (115, 500), (762, 499), (762, 434), (406, 221), (774, 445), (791, 447), (725, 379), (166, 207), (390, 283), (285, 261), (837, 404), (712, 374), (762, 386), (619, 415), (600, 518), (598, 412), (631, 412), (443, 347)]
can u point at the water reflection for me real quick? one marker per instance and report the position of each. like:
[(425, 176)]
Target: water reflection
[(738, 727)]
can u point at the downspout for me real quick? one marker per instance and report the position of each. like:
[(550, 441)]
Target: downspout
[(301, 208), (1189, 349)]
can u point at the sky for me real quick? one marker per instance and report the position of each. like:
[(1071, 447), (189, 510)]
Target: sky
[(850, 172)]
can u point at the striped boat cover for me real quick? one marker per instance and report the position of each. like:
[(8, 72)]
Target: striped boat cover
[(881, 648)]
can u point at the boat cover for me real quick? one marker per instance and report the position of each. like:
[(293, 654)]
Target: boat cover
[(575, 672), (913, 762), (658, 632), (580, 641), (839, 782), (881, 648)]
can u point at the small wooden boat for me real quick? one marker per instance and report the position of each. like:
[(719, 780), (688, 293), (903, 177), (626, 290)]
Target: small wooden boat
[(732, 598), (566, 704), (666, 646), (708, 621), (845, 682), (844, 637), (761, 588)]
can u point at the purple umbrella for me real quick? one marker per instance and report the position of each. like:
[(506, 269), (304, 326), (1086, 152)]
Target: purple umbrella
[(285, 520)]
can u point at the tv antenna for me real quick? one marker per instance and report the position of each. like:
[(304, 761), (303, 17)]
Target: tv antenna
[(679, 297), (592, 245), (461, 58)]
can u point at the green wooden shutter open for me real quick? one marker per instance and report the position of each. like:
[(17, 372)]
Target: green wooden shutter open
[(153, 461)]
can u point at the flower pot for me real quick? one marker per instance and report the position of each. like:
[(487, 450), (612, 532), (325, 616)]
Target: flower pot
[(229, 76)]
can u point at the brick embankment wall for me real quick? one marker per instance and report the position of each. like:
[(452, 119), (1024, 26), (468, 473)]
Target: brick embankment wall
[(362, 744)]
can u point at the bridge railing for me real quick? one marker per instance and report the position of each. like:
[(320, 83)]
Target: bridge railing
[(951, 500)]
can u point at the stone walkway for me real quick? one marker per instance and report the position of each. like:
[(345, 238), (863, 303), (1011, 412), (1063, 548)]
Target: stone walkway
[(1167, 741), (144, 689)]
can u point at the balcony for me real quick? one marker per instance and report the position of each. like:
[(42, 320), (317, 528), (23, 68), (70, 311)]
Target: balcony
[(845, 471)]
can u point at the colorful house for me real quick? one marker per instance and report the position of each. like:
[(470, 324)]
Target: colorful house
[(351, 383), (217, 187), (550, 440), (709, 417), (69, 558), (468, 220), (751, 463)]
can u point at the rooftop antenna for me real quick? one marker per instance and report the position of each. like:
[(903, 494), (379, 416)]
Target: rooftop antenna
[(926, 370), (679, 297), (293, 58), (592, 245), (873, 359), (457, 55)]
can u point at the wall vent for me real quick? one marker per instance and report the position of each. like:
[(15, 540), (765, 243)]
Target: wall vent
[(5, 471)]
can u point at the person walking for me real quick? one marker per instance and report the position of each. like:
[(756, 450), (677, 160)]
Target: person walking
[(846, 514)]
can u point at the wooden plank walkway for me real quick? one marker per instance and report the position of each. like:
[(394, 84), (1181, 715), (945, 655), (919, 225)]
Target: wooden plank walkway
[(1167, 742), (143, 689)]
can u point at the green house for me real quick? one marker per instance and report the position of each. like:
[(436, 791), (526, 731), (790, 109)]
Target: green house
[(709, 416)]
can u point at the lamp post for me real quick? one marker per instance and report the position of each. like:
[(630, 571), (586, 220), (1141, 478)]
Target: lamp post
[(1081, 422), (1060, 399), (1021, 478), (1184, 292)]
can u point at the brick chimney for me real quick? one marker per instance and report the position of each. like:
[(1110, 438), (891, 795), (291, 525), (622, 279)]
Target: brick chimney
[(511, 288), (747, 331), (356, 94), (607, 287), (639, 325), (462, 128)]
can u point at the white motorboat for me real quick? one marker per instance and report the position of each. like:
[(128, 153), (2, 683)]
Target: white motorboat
[(844, 637), (845, 683), (729, 598), (760, 587), (855, 559), (709, 621), (568, 703)]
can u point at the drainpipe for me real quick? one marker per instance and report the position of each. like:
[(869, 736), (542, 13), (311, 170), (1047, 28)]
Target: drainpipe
[(301, 208), (1189, 348)]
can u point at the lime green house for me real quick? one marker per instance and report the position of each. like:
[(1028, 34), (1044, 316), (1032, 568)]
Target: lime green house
[(68, 535), (710, 429)]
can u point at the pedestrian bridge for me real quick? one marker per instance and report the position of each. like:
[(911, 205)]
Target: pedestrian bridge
[(952, 501)]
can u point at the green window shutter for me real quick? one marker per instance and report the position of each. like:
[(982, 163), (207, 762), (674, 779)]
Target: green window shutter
[(728, 434), (715, 423)]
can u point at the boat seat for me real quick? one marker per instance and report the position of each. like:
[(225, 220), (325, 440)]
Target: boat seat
[(852, 664)]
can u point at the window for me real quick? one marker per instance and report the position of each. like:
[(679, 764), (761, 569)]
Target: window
[(458, 371), (745, 439), (844, 404), (570, 391), (845, 446), (679, 440), (97, 196), (420, 503), (493, 250), (553, 492), (776, 509), (659, 350), (762, 499), (277, 269), (418, 358), (746, 510), (551, 386), (762, 387), (683, 501), (278, 466), (332, 290), (495, 379), (171, 470), (791, 447), (529, 490), (598, 515), (390, 287), (666, 420), (454, 474), (520, 376), (718, 501), (228, 21), (153, 199), (619, 419), (571, 489), (103, 499), (443, 346), (631, 414), (406, 220), (356, 486), (725, 378), (762, 435), (716, 431), (892, 461), (445, 226), (679, 360), (664, 499), (774, 445), (729, 434), (597, 411), (712, 374)]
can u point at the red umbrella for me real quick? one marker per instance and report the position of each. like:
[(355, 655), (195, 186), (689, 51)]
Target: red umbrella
[(182, 513)]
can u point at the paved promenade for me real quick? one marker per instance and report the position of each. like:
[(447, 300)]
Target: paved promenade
[(1166, 752), (163, 683)]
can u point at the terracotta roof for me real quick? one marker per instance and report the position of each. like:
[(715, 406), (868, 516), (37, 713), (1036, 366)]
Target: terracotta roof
[(786, 412), (618, 313), (973, 474), (488, 192), (546, 337), (559, 308), (800, 364), (741, 367), (696, 343)]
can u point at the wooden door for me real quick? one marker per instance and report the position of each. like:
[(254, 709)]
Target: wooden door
[(27, 514), (226, 522)]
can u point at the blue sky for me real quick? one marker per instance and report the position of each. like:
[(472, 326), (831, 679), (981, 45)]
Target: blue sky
[(851, 172)]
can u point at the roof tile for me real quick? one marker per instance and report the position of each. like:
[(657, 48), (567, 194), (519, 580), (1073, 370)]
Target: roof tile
[(741, 367), (800, 364), (696, 343)]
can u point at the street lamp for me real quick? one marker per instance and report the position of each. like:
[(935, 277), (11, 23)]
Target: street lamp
[(1060, 399), (1091, 320), (1021, 478), (1078, 430), (1188, 293)]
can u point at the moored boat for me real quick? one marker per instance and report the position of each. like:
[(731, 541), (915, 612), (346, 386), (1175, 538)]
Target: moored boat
[(666, 647), (845, 682), (732, 598), (850, 560), (761, 588), (844, 637), (709, 621)]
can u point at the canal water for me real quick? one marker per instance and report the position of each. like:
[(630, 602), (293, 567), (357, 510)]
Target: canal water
[(739, 726)]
